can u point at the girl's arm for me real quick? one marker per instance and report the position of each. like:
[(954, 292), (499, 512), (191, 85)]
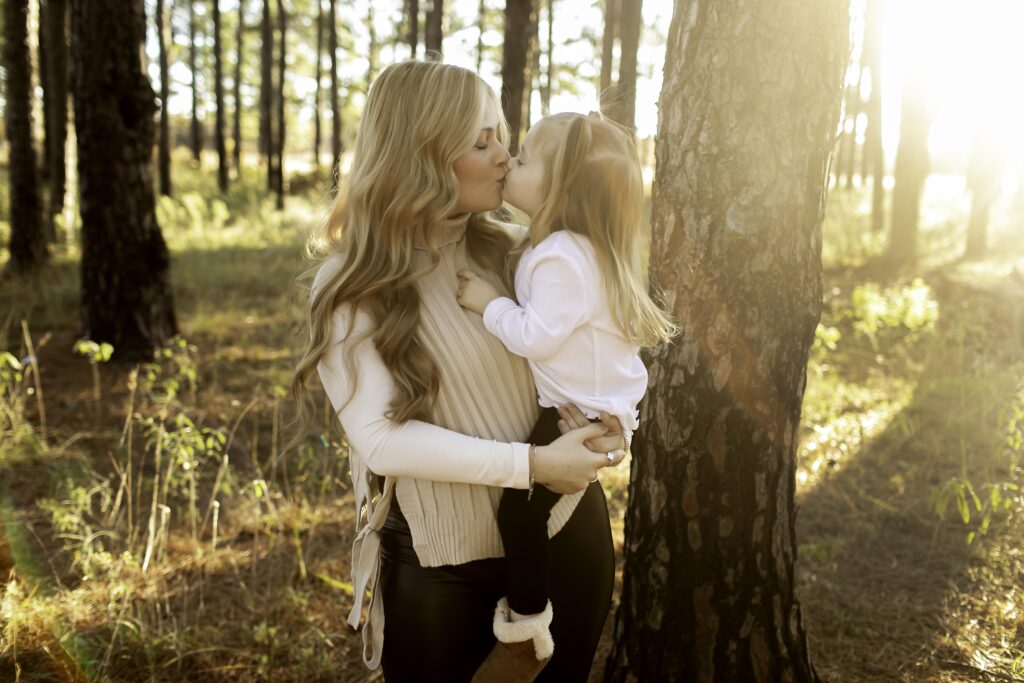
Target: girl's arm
[(425, 451), (560, 301)]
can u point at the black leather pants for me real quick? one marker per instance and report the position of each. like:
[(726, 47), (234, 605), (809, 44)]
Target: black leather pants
[(437, 620)]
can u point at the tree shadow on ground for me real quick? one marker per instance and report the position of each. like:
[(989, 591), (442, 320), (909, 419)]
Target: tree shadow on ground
[(878, 569)]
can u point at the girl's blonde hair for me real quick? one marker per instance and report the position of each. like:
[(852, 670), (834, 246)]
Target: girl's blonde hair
[(419, 117), (596, 190)]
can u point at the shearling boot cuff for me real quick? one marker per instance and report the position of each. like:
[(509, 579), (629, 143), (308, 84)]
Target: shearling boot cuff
[(536, 627)]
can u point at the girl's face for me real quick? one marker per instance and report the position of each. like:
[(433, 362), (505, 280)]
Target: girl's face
[(524, 184), (481, 170)]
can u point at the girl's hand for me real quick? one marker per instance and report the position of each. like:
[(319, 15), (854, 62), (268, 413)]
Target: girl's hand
[(567, 466), (474, 292), (613, 440)]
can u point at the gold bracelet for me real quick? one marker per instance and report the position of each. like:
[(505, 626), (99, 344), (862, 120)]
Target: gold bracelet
[(533, 460)]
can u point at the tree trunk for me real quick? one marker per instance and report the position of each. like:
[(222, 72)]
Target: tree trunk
[(218, 88), (412, 9), (623, 107), (28, 241), (545, 93), (519, 22), (482, 16), (319, 79), (611, 21), (533, 70), (373, 59), (282, 23), (873, 151), (164, 163), (239, 52), (266, 79), (126, 290), (56, 87), (911, 170), (985, 179), (432, 35), (266, 96), (197, 129), (738, 201), (332, 47)]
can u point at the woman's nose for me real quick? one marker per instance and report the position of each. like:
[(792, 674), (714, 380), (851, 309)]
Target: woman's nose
[(503, 157)]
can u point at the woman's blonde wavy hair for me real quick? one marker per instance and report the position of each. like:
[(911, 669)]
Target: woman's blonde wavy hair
[(592, 170), (418, 119)]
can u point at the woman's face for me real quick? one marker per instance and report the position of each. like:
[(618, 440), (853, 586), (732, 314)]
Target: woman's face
[(481, 170)]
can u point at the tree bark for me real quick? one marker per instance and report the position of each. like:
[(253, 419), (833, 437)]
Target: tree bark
[(332, 47), (218, 88), (748, 112), (873, 151), (282, 23), (239, 53), (412, 10), (197, 129), (911, 172), (28, 241), (126, 290), (519, 22), (623, 106), (611, 21), (319, 79), (373, 58), (56, 87), (984, 178), (164, 162), (433, 37)]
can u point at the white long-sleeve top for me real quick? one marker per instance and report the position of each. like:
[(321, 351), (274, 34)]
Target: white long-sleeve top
[(445, 473), (564, 327)]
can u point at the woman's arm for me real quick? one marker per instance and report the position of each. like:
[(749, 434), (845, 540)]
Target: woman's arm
[(425, 451)]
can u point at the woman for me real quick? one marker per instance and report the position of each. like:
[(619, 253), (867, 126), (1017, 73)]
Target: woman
[(436, 411)]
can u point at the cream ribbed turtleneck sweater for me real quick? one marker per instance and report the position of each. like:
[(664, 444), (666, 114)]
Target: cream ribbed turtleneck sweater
[(447, 474)]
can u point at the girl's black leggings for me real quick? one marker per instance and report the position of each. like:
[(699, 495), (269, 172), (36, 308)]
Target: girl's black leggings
[(437, 620)]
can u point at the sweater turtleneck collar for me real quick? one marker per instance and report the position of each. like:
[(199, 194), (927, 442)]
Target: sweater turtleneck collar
[(446, 233)]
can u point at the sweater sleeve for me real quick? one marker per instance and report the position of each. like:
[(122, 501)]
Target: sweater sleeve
[(558, 304), (413, 448)]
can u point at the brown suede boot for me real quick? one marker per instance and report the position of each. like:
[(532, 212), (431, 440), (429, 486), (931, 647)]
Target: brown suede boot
[(523, 649), (510, 663)]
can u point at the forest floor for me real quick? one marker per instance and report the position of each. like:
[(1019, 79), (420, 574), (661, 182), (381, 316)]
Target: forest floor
[(231, 564)]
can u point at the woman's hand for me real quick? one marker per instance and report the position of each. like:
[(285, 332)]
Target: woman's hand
[(567, 465), (613, 440), (474, 292)]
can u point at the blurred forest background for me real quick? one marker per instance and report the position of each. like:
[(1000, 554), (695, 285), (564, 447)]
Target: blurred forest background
[(161, 167)]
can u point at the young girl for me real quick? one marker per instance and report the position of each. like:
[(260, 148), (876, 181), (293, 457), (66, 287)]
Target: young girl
[(583, 314)]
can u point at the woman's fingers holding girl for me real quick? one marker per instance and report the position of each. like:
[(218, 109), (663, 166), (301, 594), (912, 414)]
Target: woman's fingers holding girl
[(573, 416)]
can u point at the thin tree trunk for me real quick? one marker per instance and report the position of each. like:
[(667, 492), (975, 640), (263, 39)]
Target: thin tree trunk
[(611, 22), (873, 150), (56, 87), (282, 22), (623, 108), (373, 58), (911, 172), (266, 80), (332, 47), (432, 35), (481, 17), (266, 95), (196, 130), (708, 580), (28, 241), (519, 22), (164, 163), (218, 86), (39, 76), (126, 290), (239, 53), (412, 9), (545, 93), (533, 70), (984, 178), (319, 80)]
